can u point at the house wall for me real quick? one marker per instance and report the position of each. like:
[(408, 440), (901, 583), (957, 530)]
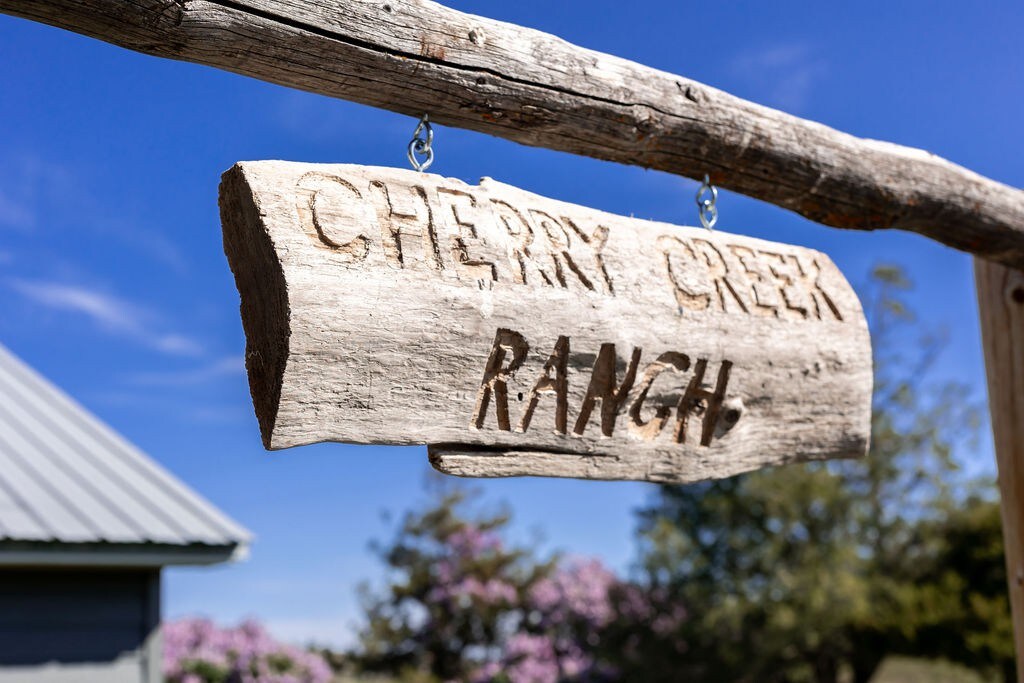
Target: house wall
[(79, 626)]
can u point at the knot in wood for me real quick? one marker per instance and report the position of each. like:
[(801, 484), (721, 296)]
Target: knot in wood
[(476, 36), (732, 411)]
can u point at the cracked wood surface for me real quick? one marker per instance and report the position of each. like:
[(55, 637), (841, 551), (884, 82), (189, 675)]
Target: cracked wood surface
[(415, 56), (520, 335), (1001, 310)]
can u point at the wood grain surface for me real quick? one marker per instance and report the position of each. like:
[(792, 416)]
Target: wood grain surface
[(521, 335), (1001, 308)]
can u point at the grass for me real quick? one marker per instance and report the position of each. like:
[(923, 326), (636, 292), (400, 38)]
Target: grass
[(908, 670), (893, 670)]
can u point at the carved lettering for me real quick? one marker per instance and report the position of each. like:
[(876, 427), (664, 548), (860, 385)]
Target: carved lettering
[(496, 377), (529, 254), (407, 226), (557, 385), (810, 279), (475, 258), (740, 279), (485, 239), (699, 401), (603, 388), (690, 276), (727, 277), (762, 282), (585, 257), (687, 396), (650, 428), (796, 300), (492, 240), (335, 210), (556, 244)]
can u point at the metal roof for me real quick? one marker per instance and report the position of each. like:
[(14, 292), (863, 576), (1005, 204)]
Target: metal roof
[(69, 483)]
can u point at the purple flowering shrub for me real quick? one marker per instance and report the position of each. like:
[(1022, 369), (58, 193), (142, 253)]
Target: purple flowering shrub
[(454, 594), (566, 613), (198, 651), (461, 605), (583, 623)]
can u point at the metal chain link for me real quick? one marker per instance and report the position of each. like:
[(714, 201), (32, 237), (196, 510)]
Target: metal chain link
[(706, 206), (420, 145)]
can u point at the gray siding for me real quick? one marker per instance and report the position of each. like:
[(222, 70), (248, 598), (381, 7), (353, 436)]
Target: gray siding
[(79, 625)]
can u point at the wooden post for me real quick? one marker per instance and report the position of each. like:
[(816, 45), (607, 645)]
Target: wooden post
[(1001, 308)]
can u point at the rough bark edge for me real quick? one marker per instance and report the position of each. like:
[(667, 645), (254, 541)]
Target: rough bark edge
[(461, 460), (263, 293), (472, 461)]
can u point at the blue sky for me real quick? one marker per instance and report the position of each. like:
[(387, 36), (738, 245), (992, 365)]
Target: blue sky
[(114, 283)]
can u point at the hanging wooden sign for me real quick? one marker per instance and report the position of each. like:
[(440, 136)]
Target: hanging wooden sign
[(519, 335)]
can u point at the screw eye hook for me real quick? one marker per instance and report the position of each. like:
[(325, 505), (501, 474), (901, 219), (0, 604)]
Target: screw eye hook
[(707, 199), (420, 151)]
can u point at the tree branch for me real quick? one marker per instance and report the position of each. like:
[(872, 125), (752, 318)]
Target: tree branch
[(416, 56)]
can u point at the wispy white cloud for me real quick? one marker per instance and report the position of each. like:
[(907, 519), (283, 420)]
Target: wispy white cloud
[(29, 183), (782, 75), (36, 192), (230, 366), (111, 314), (218, 414), (142, 238), (176, 344), (14, 213), (168, 405)]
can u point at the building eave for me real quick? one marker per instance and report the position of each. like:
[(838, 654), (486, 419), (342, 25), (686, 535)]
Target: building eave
[(117, 555)]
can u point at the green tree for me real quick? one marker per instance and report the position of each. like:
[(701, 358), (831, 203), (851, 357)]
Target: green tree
[(962, 603), (799, 573)]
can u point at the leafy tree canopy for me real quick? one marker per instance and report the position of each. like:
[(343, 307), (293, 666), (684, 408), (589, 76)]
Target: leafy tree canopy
[(801, 572)]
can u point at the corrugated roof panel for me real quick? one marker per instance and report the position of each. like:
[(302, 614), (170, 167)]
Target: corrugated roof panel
[(118, 452), (171, 486), (61, 438), (15, 520), (66, 476), (41, 500), (48, 459), (156, 490)]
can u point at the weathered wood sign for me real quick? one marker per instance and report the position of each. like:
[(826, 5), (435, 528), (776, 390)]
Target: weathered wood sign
[(519, 335)]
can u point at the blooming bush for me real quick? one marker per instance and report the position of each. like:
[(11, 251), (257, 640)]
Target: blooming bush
[(198, 651), (564, 614), (461, 605), (454, 578), (578, 592), (453, 595)]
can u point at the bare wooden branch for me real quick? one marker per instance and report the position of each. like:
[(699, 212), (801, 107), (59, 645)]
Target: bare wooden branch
[(416, 56), (1001, 308), (525, 336)]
